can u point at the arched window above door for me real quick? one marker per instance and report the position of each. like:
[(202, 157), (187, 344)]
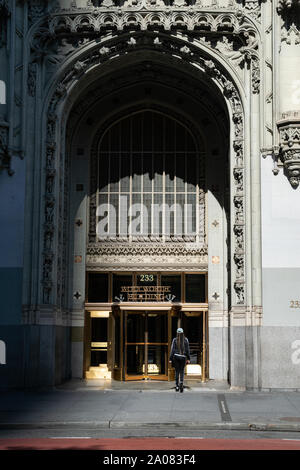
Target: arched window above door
[(150, 177)]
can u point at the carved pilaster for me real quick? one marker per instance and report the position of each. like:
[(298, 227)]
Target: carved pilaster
[(289, 131)]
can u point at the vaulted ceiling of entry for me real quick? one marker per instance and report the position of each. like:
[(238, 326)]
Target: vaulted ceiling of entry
[(180, 90)]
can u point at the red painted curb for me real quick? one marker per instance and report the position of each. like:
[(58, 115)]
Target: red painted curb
[(149, 443)]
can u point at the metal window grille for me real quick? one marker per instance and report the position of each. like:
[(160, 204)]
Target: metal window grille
[(150, 162)]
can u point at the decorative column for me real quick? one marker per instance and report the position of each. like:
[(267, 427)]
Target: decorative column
[(289, 120)]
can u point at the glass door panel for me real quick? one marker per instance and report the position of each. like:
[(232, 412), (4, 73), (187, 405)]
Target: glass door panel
[(135, 326), (157, 328), (135, 359), (157, 360), (146, 345), (195, 329)]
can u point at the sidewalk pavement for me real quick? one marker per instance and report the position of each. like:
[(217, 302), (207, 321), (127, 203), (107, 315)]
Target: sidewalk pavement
[(109, 404)]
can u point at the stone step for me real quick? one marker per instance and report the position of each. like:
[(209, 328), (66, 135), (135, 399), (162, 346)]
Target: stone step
[(100, 372)]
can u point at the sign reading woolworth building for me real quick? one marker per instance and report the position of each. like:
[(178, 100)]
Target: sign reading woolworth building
[(151, 149)]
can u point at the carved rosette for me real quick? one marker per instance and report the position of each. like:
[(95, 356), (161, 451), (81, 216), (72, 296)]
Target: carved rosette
[(289, 131)]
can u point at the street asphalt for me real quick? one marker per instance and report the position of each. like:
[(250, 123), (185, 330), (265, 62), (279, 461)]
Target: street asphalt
[(100, 404)]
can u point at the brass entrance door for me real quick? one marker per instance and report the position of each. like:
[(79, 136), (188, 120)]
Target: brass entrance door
[(146, 345), (195, 325)]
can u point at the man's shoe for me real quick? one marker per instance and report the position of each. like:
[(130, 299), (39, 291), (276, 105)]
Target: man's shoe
[(181, 388), (177, 388)]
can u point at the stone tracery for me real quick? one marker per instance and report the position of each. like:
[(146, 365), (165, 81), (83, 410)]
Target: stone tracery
[(232, 34)]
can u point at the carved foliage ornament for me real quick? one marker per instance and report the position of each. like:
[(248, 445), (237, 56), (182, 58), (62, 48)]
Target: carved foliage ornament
[(171, 47), (289, 131)]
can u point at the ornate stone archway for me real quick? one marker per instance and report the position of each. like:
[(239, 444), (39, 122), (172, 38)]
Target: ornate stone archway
[(95, 53), (231, 95)]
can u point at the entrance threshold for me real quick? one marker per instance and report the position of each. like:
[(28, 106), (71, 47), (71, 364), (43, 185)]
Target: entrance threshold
[(193, 385)]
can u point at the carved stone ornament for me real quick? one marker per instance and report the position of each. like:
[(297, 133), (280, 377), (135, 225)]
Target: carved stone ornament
[(231, 32), (253, 9), (240, 292), (147, 15), (5, 154), (287, 5), (290, 13), (289, 131), (31, 78), (167, 256), (36, 10)]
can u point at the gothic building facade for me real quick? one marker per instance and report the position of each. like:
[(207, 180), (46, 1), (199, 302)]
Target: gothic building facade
[(150, 170)]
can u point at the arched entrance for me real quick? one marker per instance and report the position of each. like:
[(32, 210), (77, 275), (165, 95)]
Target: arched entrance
[(164, 144), (194, 87), (201, 69)]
